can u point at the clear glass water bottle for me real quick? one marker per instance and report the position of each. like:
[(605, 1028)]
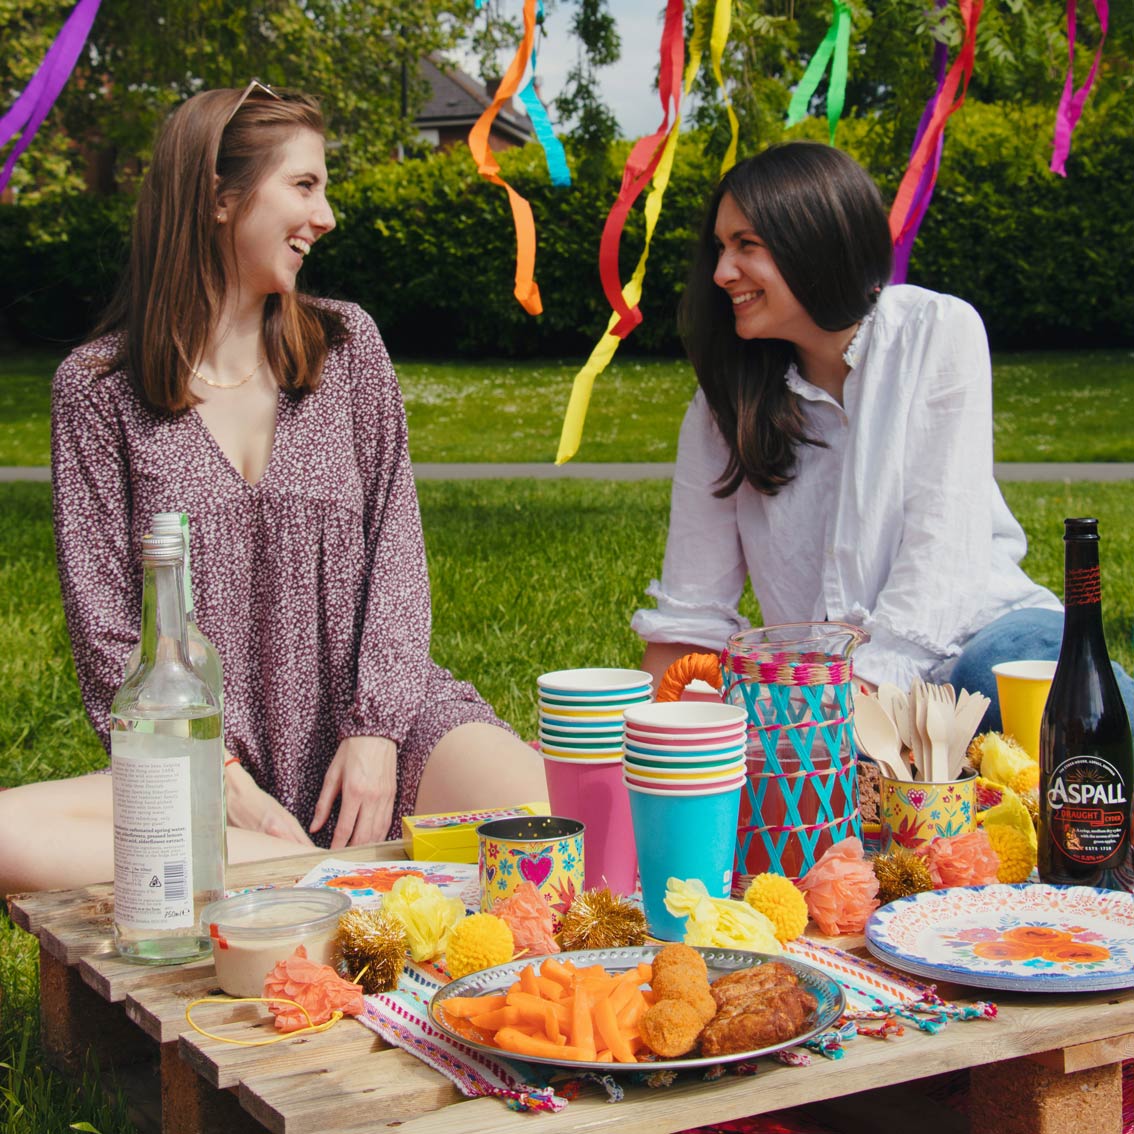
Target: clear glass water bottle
[(167, 757), (202, 653)]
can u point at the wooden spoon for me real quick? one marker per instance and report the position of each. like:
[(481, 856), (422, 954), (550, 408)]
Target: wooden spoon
[(878, 737)]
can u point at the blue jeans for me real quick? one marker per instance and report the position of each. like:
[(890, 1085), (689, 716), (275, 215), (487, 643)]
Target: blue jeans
[(1031, 634)]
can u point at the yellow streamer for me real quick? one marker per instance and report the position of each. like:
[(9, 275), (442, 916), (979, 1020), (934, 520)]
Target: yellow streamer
[(311, 1028), (572, 432)]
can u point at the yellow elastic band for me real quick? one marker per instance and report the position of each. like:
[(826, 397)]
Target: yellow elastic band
[(336, 1016)]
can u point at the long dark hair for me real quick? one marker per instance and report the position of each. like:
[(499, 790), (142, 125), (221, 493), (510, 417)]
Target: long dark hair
[(822, 219), (174, 283)]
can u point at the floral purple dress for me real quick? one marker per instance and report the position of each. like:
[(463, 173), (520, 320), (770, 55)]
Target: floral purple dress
[(312, 583)]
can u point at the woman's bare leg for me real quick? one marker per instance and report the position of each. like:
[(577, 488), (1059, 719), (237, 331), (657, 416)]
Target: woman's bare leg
[(478, 765), (59, 834)]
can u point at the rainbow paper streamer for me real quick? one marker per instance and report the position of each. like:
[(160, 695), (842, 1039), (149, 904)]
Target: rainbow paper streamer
[(1071, 102), (904, 215), (924, 192), (629, 296), (526, 289), (552, 147), (38, 97), (834, 49)]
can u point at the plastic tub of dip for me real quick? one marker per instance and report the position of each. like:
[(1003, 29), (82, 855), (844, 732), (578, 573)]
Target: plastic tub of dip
[(251, 932)]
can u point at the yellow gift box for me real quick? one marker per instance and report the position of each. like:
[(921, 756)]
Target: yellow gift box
[(452, 837)]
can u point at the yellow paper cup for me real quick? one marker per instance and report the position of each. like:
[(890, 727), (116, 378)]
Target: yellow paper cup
[(913, 814), (546, 850), (1023, 687)]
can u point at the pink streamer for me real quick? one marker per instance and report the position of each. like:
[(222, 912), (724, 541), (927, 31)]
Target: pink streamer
[(1071, 104)]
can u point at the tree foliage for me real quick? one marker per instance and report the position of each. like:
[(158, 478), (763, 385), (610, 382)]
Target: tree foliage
[(146, 56)]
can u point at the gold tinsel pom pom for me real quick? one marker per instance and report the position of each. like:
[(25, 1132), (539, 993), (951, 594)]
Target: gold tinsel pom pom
[(900, 873), (478, 942), (599, 920), (373, 947), (777, 898)]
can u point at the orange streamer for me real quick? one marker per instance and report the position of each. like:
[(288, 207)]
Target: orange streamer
[(526, 289), (691, 667)]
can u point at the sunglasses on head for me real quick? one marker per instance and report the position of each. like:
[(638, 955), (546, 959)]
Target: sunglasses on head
[(252, 87)]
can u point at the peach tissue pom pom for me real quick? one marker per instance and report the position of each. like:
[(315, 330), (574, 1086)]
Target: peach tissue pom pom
[(317, 987), (841, 889), (528, 916), (961, 860)]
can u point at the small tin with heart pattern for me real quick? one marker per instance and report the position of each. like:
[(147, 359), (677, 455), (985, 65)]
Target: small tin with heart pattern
[(546, 850)]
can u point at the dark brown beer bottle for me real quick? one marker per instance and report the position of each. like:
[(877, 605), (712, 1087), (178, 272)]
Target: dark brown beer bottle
[(1086, 758)]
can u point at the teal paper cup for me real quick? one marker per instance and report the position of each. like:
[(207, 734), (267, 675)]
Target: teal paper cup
[(682, 835)]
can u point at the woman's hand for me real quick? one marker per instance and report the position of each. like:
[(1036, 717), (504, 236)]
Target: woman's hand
[(364, 773), (250, 807)]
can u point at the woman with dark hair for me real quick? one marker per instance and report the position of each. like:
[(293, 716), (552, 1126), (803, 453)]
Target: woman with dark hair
[(214, 387), (839, 450)]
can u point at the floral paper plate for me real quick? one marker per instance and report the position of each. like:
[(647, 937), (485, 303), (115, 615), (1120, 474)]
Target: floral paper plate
[(1028, 938)]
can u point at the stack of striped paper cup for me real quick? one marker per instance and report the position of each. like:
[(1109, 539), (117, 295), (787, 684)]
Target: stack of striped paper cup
[(580, 737), (684, 767)]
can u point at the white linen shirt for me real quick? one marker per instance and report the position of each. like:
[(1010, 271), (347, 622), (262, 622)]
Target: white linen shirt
[(897, 526)]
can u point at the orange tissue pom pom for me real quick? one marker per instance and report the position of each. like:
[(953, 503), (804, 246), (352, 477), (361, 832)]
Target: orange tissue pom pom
[(841, 889), (317, 987), (961, 860)]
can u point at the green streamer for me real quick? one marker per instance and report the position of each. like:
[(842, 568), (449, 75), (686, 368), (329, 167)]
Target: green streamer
[(834, 50)]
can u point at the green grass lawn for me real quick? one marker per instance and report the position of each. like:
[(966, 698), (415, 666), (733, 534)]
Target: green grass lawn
[(1050, 406), (527, 576)]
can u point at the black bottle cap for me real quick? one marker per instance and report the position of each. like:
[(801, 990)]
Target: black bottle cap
[(1081, 529)]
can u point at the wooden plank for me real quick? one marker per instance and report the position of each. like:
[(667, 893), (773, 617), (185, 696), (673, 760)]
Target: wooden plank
[(70, 937), (1084, 1056), (158, 1006), (1021, 1097), (190, 1106), (284, 871), (226, 1065), (76, 1022), (31, 911), (360, 1093), (114, 979)]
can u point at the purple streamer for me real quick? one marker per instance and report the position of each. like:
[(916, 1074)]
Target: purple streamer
[(924, 193), (1071, 104), (38, 97)]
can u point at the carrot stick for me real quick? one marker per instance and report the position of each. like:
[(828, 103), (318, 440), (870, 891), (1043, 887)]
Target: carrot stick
[(500, 1018), (551, 1024), (551, 969), (533, 1007), (607, 1026), (631, 1013), (550, 989), (510, 1039), (463, 1007), (582, 1028), (528, 981)]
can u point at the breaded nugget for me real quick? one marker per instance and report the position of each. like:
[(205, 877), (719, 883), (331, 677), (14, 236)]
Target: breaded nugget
[(684, 982), (670, 1028), (678, 954), (769, 1017)]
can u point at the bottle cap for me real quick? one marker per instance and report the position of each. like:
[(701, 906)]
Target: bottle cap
[(1083, 528), (163, 548), (166, 523)]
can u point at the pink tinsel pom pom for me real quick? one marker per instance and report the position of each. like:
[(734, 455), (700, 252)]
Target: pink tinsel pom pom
[(840, 889), (962, 860)]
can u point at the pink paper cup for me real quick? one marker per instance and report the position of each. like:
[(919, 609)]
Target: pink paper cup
[(700, 765), (592, 791), (594, 682), (682, 780), (713, 749), (674, 716), (681, 739), (676, 787)]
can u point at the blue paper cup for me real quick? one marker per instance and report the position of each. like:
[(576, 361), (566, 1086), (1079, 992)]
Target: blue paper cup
[(682, 835)]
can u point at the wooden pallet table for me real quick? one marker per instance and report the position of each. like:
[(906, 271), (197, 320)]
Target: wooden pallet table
[(1050, 1064)]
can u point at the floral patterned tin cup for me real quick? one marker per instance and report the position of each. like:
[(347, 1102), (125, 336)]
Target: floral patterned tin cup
[(913, 814), (546, 850)]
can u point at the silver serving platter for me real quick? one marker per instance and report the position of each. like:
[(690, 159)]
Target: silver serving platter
[(831, 1003)]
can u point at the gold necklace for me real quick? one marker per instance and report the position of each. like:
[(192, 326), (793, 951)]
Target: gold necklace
[(227, 385)]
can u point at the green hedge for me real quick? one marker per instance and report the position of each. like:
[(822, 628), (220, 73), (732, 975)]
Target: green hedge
[(428, 246)]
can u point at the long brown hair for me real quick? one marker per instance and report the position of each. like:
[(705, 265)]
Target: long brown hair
[(822, 219), (174, 284)]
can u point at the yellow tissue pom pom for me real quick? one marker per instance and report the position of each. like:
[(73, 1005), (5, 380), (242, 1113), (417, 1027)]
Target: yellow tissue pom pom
[(777, 898), (425, 913), (719, 923), (478, 942), (1000, 758), (1017, 855), (1010, 812), (1027, 779)]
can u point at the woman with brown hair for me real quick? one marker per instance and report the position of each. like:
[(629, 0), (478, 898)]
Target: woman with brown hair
[(214, 387), (839, 451)]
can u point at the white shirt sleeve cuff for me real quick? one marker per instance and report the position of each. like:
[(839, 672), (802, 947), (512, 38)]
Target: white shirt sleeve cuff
[(709, 624)]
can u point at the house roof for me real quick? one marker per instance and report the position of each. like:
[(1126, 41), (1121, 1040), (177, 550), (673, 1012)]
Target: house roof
[(457, 99)]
